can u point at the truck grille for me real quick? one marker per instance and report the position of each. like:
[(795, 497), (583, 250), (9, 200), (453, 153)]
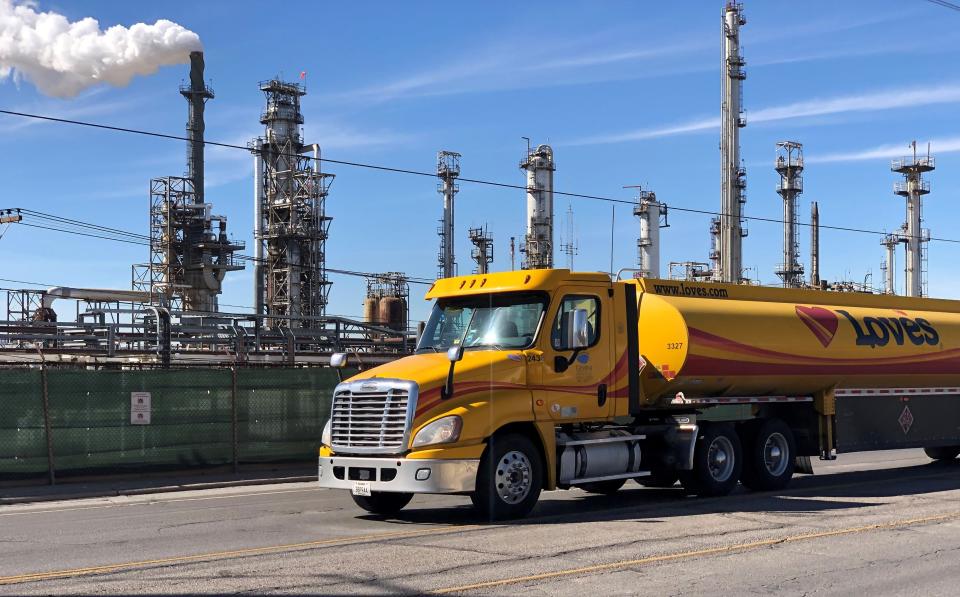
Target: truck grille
[(372, 417)]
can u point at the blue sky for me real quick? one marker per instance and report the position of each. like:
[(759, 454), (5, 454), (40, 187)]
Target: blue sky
[(626, 92)]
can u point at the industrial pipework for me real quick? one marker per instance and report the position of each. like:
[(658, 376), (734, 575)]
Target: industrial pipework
[(733, 175), (789, 165), (539, 167)]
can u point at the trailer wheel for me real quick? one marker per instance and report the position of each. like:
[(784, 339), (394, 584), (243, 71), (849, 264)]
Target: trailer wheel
[(383, 503), (716, 462), (943, 452), (769, 455), (609, 487), (510, 478)]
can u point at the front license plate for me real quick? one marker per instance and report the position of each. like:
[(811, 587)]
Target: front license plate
[(361, 488)]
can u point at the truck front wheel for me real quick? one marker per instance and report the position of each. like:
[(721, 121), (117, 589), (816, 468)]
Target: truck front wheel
[(383, 503), (943, 452), (769, 455), (510, 478), (716, 462)]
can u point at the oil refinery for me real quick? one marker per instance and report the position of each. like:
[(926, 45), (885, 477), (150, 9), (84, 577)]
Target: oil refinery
[(171, 314)]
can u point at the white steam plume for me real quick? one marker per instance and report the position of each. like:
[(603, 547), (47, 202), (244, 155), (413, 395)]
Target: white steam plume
[(63, 58)]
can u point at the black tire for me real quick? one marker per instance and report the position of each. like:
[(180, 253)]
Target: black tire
[(659, 480), (769, 455), (510, 478), (383, 503), (608, 487), (943, 452), (717, 460)]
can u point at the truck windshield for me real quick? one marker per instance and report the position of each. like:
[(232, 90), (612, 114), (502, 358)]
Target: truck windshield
[(501, 321)]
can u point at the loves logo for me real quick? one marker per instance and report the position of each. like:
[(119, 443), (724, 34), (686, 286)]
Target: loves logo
[(822, 322)]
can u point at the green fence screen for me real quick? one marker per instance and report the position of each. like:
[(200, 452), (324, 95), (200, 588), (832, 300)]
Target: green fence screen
[(197, 417)]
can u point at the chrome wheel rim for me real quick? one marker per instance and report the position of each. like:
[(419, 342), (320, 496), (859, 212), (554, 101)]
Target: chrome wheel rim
[(776, 454), (514, 477), (720, 459)]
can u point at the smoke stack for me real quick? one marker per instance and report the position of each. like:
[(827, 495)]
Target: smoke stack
[(196, 94), (814, 245)]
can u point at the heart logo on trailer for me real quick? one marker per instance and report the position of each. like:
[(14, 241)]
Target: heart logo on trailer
[(822, 322)]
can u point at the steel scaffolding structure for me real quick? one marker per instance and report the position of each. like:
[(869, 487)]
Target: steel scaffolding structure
[(291, 225), (188, 258)]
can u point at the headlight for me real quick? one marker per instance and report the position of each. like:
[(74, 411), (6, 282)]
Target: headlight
[(327, 434), (441, 431)]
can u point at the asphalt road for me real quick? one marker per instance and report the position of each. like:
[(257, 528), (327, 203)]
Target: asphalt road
[(877, 523)]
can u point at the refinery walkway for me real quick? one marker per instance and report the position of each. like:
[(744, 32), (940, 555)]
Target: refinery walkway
[(854, 528)]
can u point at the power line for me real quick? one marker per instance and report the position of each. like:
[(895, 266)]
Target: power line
[(434, 175), (247, 258), (945, 4)]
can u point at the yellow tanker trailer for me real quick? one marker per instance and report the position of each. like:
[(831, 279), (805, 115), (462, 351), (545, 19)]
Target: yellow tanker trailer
[(547, 379)]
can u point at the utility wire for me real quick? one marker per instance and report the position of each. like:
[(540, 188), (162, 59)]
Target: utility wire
[(468, 180), (247, 258), (945, 4)]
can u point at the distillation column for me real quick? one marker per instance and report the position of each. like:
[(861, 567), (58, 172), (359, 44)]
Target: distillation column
[(653, 216), (733, 174), (913, 188), (789, 165), (448, 169), (889, 265), (814, 245), (292, 221), (482, 252), (539, 167)]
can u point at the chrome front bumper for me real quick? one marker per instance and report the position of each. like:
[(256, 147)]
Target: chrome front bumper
[(405, 475)]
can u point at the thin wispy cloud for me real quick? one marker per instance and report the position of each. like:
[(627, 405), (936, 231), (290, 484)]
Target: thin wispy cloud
[(887, 151), (497, 68), (864, 102)]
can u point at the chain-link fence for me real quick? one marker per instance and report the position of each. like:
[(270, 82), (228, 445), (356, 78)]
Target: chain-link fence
[(60, 421)]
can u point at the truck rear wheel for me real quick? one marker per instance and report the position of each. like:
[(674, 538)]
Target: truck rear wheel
[(609, 487), (510, 478), (943, 452), (769, 455), (716, 462), (383, 503)]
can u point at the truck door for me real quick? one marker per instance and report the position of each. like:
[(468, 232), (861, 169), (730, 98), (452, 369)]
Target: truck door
[(576, 373)]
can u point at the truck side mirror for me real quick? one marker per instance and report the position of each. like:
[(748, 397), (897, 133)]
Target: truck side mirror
[(576, 337), (579, 330), (454, 354), (338, 361)]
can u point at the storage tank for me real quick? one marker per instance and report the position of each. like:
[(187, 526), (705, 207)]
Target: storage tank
[(393, 312), (371, 310), (708, 340)]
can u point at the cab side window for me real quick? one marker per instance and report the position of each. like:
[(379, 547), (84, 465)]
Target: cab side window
[(560, 337)]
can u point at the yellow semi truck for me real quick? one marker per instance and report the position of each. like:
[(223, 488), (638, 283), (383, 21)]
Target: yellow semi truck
[(550, 379)]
